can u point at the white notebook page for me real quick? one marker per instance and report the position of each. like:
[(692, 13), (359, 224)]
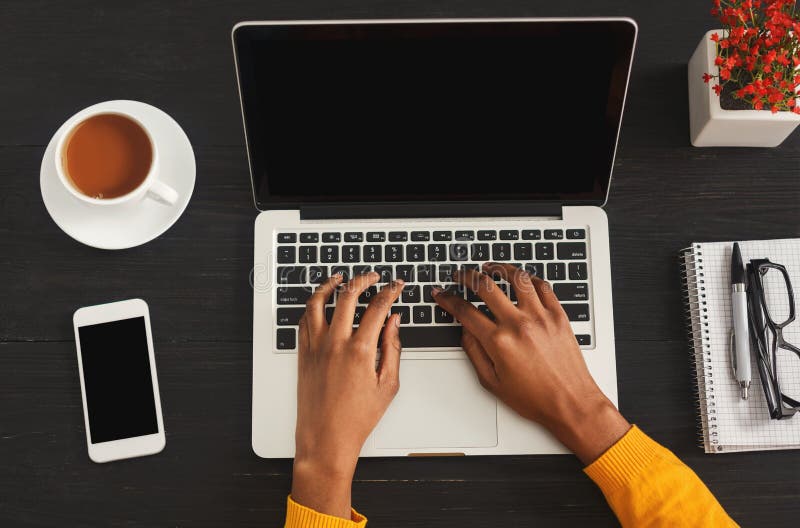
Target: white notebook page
[(745, 424)]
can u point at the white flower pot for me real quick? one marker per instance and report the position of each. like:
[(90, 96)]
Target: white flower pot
[(711, 126)]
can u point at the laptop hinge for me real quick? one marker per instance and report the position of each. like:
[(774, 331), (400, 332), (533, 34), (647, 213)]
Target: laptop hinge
[(428, 210)]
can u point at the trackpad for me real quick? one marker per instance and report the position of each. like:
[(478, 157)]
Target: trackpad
[(440, 405)]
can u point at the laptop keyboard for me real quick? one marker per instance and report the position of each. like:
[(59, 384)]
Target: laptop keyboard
[(425, 259)]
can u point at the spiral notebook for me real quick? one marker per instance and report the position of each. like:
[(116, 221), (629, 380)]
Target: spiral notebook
[(728, 423)]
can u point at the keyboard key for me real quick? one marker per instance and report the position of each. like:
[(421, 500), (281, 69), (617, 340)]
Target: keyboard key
[(578, 271), (531, 234), (290, 316), (351, 253), (293, 294), (426, 273), (576, 234), (486, 311), (372, 253), (571, 291), (367, 295), (285, 339), (329, 254), (523, 251), (376, 236), (553, 234), (430, 336), (571, 250), (577, 312), (427, 293), (285, 254), (405, 314), (331, 237), (343, 270), (436, 252), (501, 251), (509, 234), (398, 236), (287, 238), (405, 272), (446, 272), (361, 270), (422, 314), (308, 254), (544, 251), (556, 271), (475, 267), (487, 235), (290, 275), (583, 339), (358, 314), (465, 235), (317, 274), (535, 268), (441, 316), (458, 252), (480, 252), (354, 237), (385, 272), (309, 238), (442, 235), (411, 294), (415, 252), (394, 253), (472, 296), (420, 236)]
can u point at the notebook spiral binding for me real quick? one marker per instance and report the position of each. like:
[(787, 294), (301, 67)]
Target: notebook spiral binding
[(696, 310)]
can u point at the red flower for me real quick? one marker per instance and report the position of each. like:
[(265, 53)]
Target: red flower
[(707, 77), (715, 37), (717, 89), (724, 74)]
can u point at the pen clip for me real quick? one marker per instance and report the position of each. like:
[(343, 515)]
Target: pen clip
[(732, 352)]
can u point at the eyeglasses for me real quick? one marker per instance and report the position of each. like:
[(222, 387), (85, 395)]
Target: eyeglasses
[(770, 305)]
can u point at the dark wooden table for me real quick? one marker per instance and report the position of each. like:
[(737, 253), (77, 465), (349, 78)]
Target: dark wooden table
[(58, 57)]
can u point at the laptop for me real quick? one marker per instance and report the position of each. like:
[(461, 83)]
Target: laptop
[(413, 148)]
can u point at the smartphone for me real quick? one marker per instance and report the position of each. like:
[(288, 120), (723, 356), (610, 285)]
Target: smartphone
[(119, 387)]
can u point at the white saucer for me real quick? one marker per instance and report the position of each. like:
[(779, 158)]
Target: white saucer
[(127, 225)]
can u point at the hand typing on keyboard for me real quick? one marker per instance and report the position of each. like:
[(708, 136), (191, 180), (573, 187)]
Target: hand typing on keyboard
[(529, 358), (340, 394)]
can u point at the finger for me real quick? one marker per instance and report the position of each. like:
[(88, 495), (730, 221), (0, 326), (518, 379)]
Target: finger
[(303, 340), (315, 306), (480, 360), (389, 369), (519, 279), (545, 292), (342, 322), (465, 312), (374, 318), (488, 290)]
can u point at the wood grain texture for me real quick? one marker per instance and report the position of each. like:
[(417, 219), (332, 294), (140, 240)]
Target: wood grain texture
[(57, 57)]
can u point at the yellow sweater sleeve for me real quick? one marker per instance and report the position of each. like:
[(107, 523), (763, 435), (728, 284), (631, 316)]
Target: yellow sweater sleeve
[(298, 516), (647, 486)]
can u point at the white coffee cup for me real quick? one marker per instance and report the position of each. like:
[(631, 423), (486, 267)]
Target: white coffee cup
[(150, 187)]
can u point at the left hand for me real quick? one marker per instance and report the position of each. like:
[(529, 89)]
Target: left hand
[(340, 393)]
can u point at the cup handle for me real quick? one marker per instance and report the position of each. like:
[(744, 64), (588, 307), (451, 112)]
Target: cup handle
[(161, 192)]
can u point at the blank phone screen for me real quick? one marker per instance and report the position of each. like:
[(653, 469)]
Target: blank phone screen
[(117, 380)]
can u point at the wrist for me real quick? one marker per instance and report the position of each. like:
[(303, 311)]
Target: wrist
[(323, 487), (590, 428)]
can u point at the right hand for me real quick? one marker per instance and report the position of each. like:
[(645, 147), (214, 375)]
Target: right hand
[(528, 357)]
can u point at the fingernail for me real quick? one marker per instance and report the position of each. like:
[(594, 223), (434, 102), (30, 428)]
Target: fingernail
[(436, 291), (397, 321), (399, 282)]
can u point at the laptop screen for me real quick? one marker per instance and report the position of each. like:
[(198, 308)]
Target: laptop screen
[(446, 111)]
